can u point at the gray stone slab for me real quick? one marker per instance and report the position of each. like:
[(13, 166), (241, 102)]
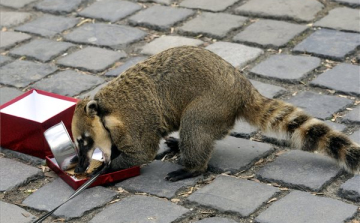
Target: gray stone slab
[(8, 93), (304, 207), (270, 33), (22, 73), (59, 192), (351, 189), (268, 90), (166, 2), (31, 160), (233, 194), (336, 126), (123, 67), (243, 129), (353, 116), (287, 68), (152, 180), (68, 83), (341, 19), (349, 2), (318, 105), (344, 78), (48, 25), (234, 154), (236, 54), (14, 214), (160, 17), (216, 220), (9, 39), (215, 25), (91, 58), (4, 59), (92, 93), (41, 49), (302, 170), (14, 174), (297, 10), (58, 6), (166, 42), (209, 5), (140, 209), (9, 19), (16, 3), (115, 36), (110, 10), (355, 137), (329, 44)]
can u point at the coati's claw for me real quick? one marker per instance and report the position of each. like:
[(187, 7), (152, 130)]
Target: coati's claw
[(181, 174)]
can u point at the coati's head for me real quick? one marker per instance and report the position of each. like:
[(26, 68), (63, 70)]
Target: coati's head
[(89, 133)]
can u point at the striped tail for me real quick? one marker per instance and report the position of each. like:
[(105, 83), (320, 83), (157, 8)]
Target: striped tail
[(305, 132)]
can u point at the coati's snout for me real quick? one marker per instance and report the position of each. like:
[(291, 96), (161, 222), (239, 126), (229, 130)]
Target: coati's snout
[(89, 133)]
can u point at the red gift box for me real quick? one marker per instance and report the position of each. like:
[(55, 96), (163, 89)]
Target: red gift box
[(24, 119), (102, 179)]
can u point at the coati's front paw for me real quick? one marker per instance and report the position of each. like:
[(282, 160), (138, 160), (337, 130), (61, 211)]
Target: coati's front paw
[(181, 174)]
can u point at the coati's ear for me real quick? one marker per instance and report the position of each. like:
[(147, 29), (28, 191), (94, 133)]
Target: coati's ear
[(91, 108)]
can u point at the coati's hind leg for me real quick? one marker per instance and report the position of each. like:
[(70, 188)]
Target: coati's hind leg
[(173, 148), (198, 132)]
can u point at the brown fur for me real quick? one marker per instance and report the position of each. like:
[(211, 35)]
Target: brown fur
[(195, 91)]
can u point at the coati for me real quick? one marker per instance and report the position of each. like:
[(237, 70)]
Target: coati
[(195, 91)]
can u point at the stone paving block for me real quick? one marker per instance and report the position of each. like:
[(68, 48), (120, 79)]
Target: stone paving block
[(302, 170), (236, 54), (9, 39), (353, 116), (268, 90), (92, 58), (14, 214), (270, 33), (216, 220), (234, 154), (9, 19), (233, 194), (92, 93), (115, 36), (355, 136), (304, 207), (160, 17), (349, 2), (48, 25), (123, 67), (8, 93), (140, 209), (4, 59), (152, 180), (110, 10), (341, 19), (41, 49), (166, 42), (243, 129), (215, 25), (318, 105), (166, 2), (21, 73), (287, 68), (336, 126), (16, 3), (344, 78), (329, 44), (68, 83), (298, 10), (209, 5), (14, 174), (52, 194), (351, 189), (58, 6)]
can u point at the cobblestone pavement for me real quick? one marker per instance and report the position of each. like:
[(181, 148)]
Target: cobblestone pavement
[(305, 52)]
